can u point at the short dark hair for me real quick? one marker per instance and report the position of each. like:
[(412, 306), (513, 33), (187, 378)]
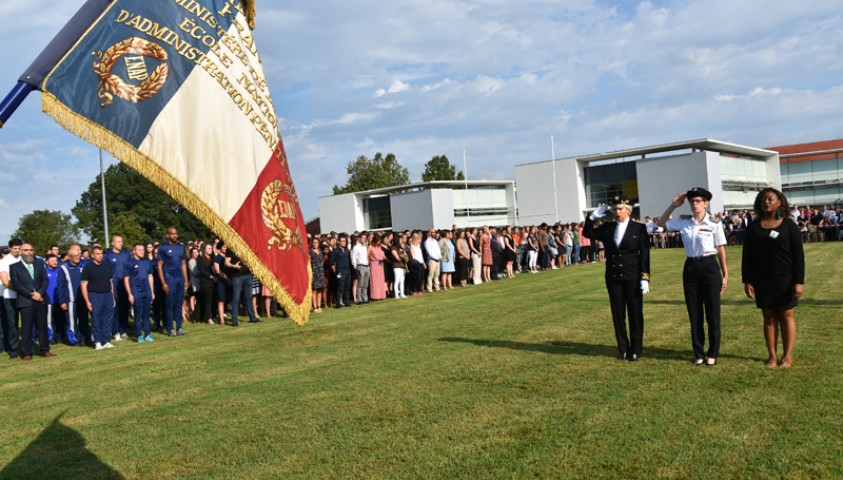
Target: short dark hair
[(49, 256), (15, 242)]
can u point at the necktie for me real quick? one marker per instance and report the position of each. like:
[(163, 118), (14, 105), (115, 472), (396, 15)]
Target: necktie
[(30, 270)]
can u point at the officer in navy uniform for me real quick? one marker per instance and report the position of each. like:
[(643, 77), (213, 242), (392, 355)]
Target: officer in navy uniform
[(704, 241), (627, 248)]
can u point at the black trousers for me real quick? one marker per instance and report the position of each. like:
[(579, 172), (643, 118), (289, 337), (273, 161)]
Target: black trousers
[(626, 301), (702, 281), (206, 295), (342, 296), (35, 314)]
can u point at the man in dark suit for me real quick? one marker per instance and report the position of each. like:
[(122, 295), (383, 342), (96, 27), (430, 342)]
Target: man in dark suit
[(29, 280), (627, 247)]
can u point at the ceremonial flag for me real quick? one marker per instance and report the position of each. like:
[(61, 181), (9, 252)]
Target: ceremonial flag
[(175, 89)]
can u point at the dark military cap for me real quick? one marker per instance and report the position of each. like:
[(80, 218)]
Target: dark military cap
[(698, 192), (620, 200)]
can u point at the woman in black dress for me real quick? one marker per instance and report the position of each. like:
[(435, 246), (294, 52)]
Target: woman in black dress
[(317, 267), (774, 271)]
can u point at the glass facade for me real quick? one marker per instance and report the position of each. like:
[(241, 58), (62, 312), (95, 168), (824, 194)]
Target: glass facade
[(378, 212), (606, 181), (813, 182)]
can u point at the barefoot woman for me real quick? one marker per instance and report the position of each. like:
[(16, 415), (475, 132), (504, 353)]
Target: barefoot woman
[(774, 271)]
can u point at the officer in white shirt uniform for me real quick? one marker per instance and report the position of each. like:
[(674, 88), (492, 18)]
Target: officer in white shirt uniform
[(704, 241)]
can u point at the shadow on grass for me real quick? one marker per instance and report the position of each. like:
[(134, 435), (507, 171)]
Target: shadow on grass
[(723, 301), (58, 453), (587, 349)]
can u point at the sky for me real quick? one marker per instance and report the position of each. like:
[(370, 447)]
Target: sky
[(492, 78)]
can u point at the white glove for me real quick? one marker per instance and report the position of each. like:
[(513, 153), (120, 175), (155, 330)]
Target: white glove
[(600, 212), (645, 287)]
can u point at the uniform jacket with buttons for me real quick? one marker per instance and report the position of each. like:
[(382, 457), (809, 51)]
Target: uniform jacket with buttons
[(630, 261)]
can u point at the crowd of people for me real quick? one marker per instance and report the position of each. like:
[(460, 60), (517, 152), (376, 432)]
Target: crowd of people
[(358, 268), (87, 296), (163, 286)]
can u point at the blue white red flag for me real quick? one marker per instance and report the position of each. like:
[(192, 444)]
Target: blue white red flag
[(175, 89)]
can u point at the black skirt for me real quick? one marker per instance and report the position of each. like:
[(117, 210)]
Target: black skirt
[(775, 292)]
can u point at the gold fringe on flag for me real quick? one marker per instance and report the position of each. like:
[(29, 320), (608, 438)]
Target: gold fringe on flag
[(251, 14), (125, 152)]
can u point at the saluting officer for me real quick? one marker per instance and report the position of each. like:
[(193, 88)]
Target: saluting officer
[(627, 271), (704, 242)]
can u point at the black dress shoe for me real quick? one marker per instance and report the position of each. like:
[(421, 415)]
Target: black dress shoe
[(633, 358), (622, 356)]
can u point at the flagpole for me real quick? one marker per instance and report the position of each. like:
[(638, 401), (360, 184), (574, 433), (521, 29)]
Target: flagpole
[(13, 101), (104, 213), (465, 178), (553, 166)]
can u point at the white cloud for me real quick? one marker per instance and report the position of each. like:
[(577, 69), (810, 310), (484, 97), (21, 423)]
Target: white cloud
[(494, 78)]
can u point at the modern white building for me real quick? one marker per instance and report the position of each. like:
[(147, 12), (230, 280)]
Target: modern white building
[(812, 172), (438, 204), (565, 190)]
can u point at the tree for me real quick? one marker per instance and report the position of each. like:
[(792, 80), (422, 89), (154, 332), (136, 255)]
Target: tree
[(440, 168), (132, 198), (44, 228), (378, 172)]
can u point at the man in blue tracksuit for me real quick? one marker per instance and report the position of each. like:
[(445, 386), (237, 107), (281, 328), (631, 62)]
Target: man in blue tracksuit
[(119, 258), (54, 330), (69, 298), (172, 270), (138, 283)]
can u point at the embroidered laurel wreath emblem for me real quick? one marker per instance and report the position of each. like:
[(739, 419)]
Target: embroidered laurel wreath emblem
[(112, 85), (275, 211)]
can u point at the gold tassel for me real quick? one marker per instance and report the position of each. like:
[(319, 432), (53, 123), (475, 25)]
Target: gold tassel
[(251, 14), (97, 135)]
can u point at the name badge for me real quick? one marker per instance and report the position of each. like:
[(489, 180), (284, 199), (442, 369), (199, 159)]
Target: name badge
[(774, 234)]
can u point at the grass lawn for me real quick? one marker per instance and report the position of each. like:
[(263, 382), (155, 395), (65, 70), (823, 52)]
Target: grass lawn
[(517, 379)]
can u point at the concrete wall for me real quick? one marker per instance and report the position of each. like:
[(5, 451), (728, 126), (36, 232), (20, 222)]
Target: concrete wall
[(660, 179), (535, 192), (422, 210), (340, 213)]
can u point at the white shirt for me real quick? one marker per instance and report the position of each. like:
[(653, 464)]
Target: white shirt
[(433, 250), (7, 262), (360, 255), (416, 252), (700, 239), (620, 231)]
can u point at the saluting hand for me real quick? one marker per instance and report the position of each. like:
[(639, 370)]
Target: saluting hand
[(678, 200), (600, 212), (749, 289)]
